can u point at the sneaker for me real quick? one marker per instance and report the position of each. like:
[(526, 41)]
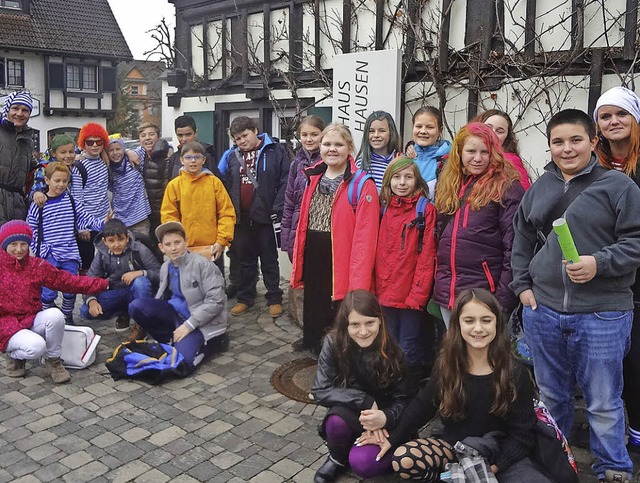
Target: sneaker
[(275, 310), (239, 308), (68, 319), (57, 371), (122, 323), (15, 367), (136, 333), (615, 476), (633, 448)]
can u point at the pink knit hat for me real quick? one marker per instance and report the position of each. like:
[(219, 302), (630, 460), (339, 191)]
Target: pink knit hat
[(15, 230)]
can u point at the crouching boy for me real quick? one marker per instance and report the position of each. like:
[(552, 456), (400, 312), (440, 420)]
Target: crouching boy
[(130, 267), (190, 306), (27, 331)]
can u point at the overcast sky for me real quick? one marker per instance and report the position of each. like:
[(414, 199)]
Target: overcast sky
[(135, 17)]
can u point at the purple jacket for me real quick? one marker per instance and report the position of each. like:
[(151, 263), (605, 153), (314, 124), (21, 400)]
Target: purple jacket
[(474, 250), (296, 185)]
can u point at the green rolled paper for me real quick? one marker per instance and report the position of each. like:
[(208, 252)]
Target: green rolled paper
[(565, 240)]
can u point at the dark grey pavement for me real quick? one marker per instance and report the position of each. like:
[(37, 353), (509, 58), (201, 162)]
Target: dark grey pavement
[(224, 424)]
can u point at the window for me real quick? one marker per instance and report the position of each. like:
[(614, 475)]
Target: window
[(133, 90), (82, 77), (14, 4), (15, 73)]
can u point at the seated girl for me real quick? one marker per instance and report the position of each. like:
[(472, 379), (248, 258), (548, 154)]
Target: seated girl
[(360, 380), (477, 387)]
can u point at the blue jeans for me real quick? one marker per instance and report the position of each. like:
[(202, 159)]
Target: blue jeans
[(48, 296), (160, 319), (587, 349), (407, 327), (116, 302)]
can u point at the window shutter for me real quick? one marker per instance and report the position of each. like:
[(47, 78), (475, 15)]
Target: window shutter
[(2, 73), (109, 79), (56, 76)]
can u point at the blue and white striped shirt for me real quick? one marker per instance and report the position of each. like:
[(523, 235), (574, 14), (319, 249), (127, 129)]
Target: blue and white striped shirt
[(377, 166), (130, 203), (58, 233), (94, 197)]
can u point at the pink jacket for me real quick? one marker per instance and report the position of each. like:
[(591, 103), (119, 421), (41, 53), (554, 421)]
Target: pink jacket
[(353, 233), (518, 164), (21, 284)]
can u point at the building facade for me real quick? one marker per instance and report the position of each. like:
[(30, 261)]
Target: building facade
[(67, 64), (274, 60)]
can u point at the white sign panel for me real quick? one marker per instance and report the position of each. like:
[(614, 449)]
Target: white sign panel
[(364, 82)]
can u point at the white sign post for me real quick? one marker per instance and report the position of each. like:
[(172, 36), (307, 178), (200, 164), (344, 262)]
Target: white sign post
[(364, 82)]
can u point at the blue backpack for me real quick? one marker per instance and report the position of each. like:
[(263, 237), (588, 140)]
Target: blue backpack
[(151, 362), (356, 183)]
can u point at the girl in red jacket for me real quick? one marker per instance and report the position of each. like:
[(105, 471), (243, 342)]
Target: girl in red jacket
[(27, 331), (405, 256), (335, 244)]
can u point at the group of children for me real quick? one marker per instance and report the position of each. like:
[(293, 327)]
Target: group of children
[(483, 232), (373, 240)]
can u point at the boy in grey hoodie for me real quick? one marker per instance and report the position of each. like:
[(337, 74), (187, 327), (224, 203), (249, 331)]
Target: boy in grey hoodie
[(577, 316)]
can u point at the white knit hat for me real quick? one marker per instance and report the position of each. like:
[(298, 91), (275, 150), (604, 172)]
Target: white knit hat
[(620, 97)]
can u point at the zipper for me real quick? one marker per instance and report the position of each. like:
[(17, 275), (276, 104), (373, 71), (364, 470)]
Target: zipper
[(487, 272), (454, 240), (333, 205), (465, 220)]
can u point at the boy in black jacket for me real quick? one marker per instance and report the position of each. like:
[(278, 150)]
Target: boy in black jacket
[(255, 174), (131, 268)]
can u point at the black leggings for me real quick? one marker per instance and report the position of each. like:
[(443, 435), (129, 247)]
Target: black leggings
[(422, 459)]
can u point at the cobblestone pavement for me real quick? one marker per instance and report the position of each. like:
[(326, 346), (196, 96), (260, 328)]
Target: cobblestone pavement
[(224, 424)]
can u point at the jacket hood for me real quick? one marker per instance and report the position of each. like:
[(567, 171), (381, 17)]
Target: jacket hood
[(552, 167), (440, 148), (320, 167), (8, 261), (102, 247)]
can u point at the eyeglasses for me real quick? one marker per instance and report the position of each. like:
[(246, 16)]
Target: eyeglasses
[(94, 142), (195, 157)]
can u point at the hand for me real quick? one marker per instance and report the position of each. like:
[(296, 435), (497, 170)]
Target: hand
[(133, 157), (39, 198), (109, 216), (411, 152), (379, 438), (216, 251), (372, 419), (527, 298), (85, 235), (494, 469), (131, 276), (181, 332), (582, 271), (95, 308)]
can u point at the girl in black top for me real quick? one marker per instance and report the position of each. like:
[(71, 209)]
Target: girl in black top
[(477, 387), (361, 381)]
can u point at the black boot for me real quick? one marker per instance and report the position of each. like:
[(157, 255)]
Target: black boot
[(329, 471)]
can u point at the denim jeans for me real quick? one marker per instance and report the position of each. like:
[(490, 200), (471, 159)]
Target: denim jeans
[(588, 349), (160, 319), (49, 296), (116, 302), (407, 327)]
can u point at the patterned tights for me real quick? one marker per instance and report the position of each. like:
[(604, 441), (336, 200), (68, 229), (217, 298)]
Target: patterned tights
[(422, 459)]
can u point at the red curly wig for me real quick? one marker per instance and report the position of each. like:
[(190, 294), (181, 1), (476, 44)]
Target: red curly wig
[(93, 130)]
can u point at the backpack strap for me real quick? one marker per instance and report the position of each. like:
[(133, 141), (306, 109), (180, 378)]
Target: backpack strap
[(40, 234), (75, 214), (83, 172), (419, 221), (354, 189)]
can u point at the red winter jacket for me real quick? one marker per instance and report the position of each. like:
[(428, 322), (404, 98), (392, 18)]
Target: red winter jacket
[(353, 233), (404, 277), (21, 283)]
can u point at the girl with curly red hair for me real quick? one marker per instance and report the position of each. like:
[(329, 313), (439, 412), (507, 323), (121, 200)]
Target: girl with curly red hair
[(477, 196)]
